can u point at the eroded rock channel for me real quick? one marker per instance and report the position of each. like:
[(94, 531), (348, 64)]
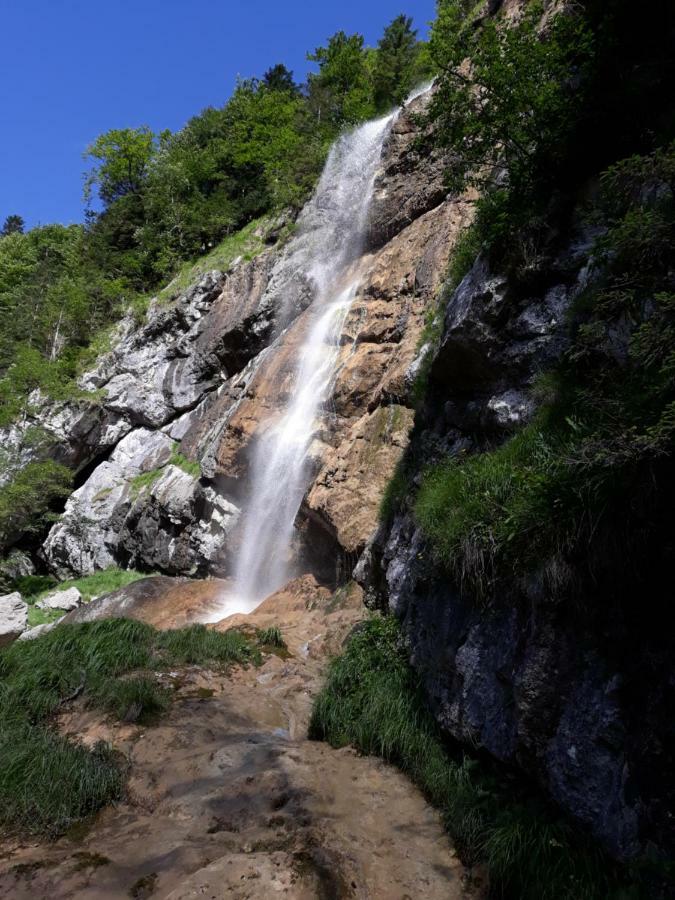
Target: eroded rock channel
[(227, 798)]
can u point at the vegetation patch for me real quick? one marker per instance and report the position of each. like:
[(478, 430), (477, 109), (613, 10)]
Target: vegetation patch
[(372, 699), (582, 494), (95, 585), (28, 499), (48, 782), (247, 242)]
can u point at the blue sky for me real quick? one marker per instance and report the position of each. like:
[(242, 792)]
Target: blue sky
[(71, 69)]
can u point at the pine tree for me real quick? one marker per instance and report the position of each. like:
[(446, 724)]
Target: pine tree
[(394, 72), (13, 225)]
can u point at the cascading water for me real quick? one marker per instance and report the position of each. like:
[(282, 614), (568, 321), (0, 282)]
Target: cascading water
[(331, 233)]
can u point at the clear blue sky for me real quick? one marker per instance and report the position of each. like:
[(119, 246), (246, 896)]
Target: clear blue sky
[(71, 69)]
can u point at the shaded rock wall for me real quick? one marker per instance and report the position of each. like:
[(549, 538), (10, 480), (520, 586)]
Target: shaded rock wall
[(579, 699)]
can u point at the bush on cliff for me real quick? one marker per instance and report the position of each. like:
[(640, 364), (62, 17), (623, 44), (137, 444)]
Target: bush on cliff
[(47, 781), (373, 699)]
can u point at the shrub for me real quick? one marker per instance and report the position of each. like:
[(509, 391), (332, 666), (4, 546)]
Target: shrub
[(27, 501), (271, 637)]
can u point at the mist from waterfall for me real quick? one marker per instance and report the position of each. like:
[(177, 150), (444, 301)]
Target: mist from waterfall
[(331, 235)]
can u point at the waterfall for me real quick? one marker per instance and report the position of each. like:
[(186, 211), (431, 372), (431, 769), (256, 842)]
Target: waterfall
[(331, 235)]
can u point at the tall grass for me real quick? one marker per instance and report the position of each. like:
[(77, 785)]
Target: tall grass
[(372, 699), (47, 782)]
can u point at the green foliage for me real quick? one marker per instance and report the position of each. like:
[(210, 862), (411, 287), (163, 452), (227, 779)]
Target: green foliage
[(137, 699), (187, 465), (508, 115), (42, 616), (246, 243), (95, 585), (120, 162), (512, 109), (582, 494), (341, 92), (146, 479), (398, 67), (34, 585), (372, 699), (271, 637), (173, 197), (48, 782), (27, 500), (12, 225)]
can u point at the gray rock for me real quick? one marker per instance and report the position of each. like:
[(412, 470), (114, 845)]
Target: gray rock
[(14, 566), (86, 536), (39, 630), (13, 617), (65, 600)]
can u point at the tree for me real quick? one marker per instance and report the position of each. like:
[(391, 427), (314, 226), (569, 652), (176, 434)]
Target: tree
[(341, 92), (121, 159), (279, 78), (13, 225), (507, 98), (394, 73), (26, 502)]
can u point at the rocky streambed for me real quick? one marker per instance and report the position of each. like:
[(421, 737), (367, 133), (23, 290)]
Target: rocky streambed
[(226, 797)]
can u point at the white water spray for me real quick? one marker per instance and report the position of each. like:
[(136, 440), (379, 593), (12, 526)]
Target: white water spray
[(331, 234)]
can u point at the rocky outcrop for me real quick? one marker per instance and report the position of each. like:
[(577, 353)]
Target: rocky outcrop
[(13, 617), (557, 693), (164, 430)]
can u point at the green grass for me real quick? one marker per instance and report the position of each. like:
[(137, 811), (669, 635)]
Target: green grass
[(484, 513), (146, 479), (48, 782), (42, 616), (187, 465), (89, 586), (271, 637), (372, 700), (243, 243)]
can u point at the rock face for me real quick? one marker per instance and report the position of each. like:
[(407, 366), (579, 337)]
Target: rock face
[(13, 617), (163, 434), (559, 693)]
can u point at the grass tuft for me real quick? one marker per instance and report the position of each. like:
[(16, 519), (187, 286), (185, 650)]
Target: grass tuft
[(271, 637), (48, 782)]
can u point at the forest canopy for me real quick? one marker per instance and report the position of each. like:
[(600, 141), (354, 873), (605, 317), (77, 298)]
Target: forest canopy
[(154, 201)]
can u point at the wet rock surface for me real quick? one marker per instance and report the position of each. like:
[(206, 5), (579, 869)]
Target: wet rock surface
[(205, 374), (227, 798)]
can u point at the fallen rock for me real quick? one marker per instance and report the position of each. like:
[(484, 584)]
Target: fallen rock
[(38, 631), (13, 617), (65, 600)]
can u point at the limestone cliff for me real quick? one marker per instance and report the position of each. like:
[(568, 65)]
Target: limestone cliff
[(163, 447)]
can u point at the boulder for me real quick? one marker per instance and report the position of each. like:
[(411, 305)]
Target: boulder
[(13, 617), (39, 630), (65, 600)]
